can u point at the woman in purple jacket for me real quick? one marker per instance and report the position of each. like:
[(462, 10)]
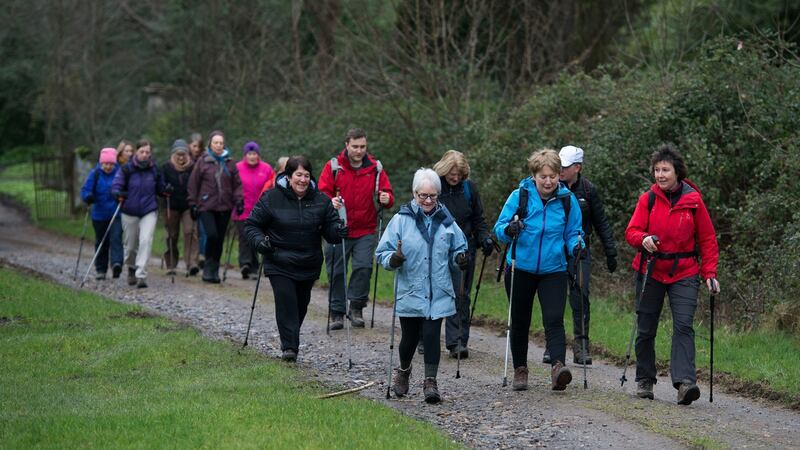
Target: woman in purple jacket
[(135, 186)]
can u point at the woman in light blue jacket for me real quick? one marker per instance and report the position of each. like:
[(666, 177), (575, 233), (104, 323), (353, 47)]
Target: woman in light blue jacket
[(542, 229), (425, 246)]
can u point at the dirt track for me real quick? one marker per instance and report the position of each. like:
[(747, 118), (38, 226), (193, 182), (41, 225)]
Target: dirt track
[(476, 409)]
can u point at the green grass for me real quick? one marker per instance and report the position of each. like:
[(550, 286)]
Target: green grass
[(82, 371)]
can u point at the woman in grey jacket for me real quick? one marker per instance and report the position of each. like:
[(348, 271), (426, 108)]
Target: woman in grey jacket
[(425, 246)]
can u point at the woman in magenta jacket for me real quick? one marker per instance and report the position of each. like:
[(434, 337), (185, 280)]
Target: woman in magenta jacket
[(254, 173), (669, 222)]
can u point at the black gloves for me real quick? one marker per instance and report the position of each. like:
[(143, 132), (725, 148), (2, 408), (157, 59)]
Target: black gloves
[(487, 246), (193, 212), (397, 258), (342, 230), (122, 196), (611, 263), (89, 199), (265, 246), (168, 189), (240, 208), (576, 252), (513, 229), (462, 259)]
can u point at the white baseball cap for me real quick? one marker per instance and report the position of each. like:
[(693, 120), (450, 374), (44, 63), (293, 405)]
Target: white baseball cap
[(570, 155)]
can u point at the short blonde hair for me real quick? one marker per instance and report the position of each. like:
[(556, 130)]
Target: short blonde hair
[(546, 157), (450, 159)]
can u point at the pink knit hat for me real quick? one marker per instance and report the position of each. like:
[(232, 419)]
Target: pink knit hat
[(108, 155)]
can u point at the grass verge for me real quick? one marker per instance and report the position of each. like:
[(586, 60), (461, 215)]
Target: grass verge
[(82, 371)]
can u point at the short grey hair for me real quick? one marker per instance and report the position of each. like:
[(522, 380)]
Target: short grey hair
[(425, 175)]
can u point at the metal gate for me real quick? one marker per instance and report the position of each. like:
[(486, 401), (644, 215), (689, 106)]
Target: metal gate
[(52, 187)]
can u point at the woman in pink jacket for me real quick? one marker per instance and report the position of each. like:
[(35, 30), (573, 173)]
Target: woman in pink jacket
[(254, 173)]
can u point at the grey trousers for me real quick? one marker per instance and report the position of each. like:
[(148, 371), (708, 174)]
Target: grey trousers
[(462, 306), (581, 330), (683, 302), (359, 253)]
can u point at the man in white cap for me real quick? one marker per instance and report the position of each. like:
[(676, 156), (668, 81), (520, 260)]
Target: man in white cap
[(594, 217)]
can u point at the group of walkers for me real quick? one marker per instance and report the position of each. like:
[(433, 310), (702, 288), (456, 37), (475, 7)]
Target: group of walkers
[(431, 244)]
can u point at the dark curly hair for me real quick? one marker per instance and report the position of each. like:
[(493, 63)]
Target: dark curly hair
[(666, 152)]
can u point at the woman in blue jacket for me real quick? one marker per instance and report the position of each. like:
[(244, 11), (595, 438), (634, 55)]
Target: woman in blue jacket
[(542, 230), (96, 192), (425, 246)]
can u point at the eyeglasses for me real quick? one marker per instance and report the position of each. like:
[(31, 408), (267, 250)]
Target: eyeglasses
[(431, 197)]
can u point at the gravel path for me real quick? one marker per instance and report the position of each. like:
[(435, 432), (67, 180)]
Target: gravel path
[(476, 410)]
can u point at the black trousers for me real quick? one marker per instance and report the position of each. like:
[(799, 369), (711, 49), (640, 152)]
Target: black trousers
[(431, 331), (451, 328), (291, 305), (215, 224), (551, 289)]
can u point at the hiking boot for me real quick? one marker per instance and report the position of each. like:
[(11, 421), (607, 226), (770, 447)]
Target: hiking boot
[(546, 357), (131, 276), (520, 379), (337, 321), (454, 351), (688, 392), (356, 317), (245, 272), (431, 391), (193, 271), (578, 354), (100, 276), (116, 270), (289, 355), (644, 389), (141, 283), (400, 382), (561, 376), (211, 272)]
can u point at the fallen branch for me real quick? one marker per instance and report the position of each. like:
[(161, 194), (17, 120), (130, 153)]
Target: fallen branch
[(347, 391)]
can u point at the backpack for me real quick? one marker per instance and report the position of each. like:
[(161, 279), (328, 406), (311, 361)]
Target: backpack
[(675, 257), (468, 192), (335, 168)]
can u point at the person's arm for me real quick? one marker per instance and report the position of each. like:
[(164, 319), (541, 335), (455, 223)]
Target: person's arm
[(331, 224), (573, 232), (257, 223), (326, 183), (194, 184), (458, 245), (479, 226), (506, 216), (388, 243), (236, 184), (385, 186), (88, 186), (639, 223)]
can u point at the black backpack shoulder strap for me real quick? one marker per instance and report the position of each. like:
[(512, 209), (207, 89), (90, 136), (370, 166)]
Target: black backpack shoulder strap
[(567, 204), (96, 179), (651, 201), (522, 207)]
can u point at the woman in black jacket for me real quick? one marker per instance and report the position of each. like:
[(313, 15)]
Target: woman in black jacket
[(287, 226), (460, 196)]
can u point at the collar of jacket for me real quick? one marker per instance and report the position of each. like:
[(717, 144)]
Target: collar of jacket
[(530, 185), (210, 157), (688, 192), (138, 165), (282, 183), (345, 161), (439, 217)]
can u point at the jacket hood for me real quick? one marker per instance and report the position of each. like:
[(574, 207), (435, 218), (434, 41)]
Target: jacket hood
[(413, 209), (282, 181), (226, 154)]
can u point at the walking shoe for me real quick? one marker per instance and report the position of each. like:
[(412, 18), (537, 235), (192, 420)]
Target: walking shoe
[(578, 355), (356, 317), (211, 272), (289, 355), (546, 357), (337, 321), (141, 283), (561, 376), (193, 271), (116, 270), (644, 389), (520, 379), (100, 276), (170, 272), (245, 272), (400, 382), (431, 391), (688, 392), (131, 276), (454, 351)]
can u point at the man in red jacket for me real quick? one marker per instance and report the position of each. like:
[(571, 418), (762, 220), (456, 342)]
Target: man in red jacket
[(355, 181)]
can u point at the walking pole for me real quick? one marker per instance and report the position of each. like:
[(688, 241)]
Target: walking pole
[(711, 301), (648, 266), (377, 267), (230, 250), (391, 340), (169, 244), (80, 248), (458, 317), (99, 247), (343, 218), (579, 272), (253, 307), (330, 290), (477, 290), (510, 302)]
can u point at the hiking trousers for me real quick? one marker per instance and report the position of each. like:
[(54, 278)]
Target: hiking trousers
[(215, 223), (181, 221), (576, 299), (360, 254), (112, 244), (247, 254), (138, 236), (291, 305), (683, 303)]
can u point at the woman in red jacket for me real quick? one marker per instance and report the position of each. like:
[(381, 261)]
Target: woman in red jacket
[(670, 222)]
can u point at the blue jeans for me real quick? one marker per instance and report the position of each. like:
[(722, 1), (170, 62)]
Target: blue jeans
[(112, 244)]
